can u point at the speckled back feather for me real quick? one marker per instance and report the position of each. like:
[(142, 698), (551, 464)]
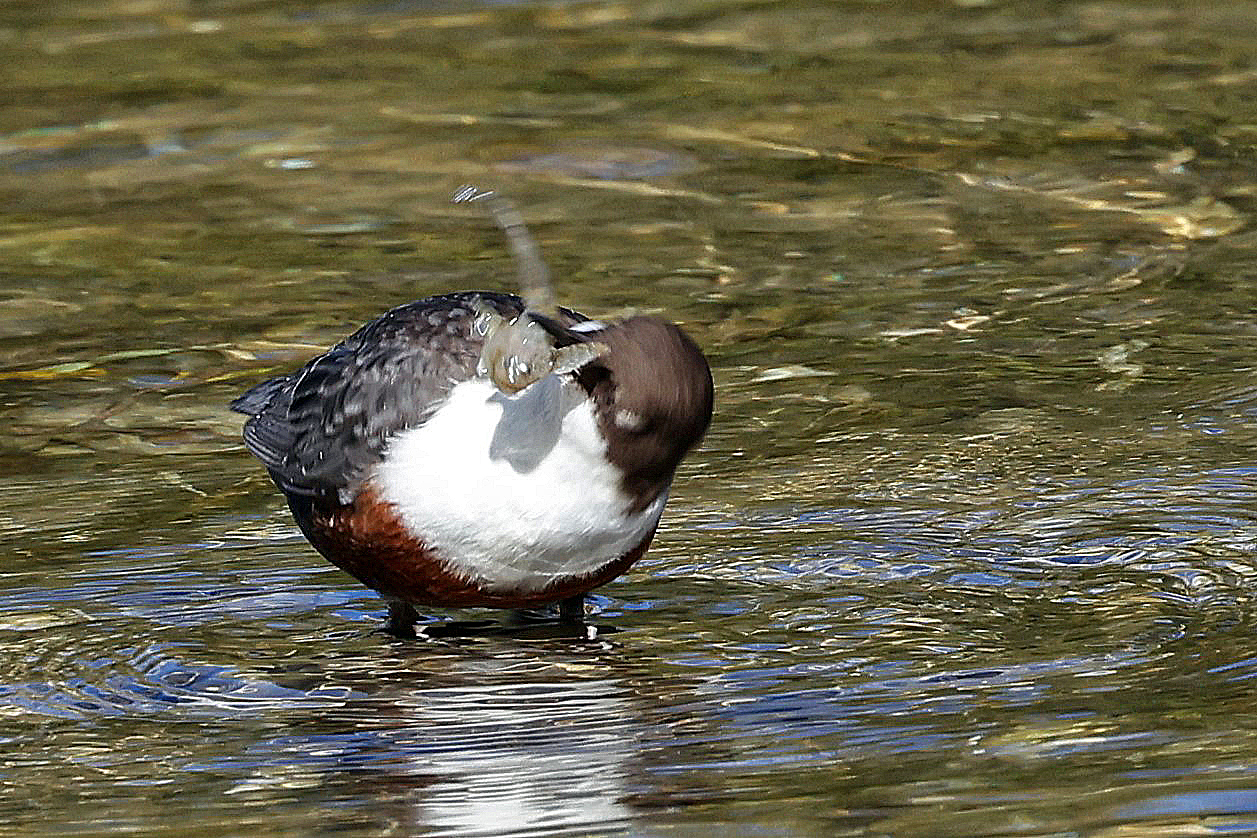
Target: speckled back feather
[(318, 430)]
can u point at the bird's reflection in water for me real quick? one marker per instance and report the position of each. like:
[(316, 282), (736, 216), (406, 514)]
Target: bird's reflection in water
[(521, 757), (472, 745)]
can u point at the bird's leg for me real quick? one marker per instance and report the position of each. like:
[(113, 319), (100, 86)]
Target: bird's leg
[(572, 610), (519, 350), (534, 276), (402, 617)]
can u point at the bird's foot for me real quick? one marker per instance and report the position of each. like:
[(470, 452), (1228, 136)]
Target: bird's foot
[(402, 617), (567, 621)]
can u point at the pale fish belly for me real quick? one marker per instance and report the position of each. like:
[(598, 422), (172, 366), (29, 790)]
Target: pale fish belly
[(513, 491)]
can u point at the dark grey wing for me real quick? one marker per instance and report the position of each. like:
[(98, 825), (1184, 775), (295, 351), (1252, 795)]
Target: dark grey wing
[(267, 433), (320, 429)]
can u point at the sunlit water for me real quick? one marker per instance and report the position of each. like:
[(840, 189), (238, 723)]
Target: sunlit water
[(968, 550)]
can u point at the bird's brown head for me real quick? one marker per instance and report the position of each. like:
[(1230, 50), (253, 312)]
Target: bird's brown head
[(653, 394)]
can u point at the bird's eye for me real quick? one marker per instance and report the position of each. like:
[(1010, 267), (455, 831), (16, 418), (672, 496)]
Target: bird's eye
[(630, 421)]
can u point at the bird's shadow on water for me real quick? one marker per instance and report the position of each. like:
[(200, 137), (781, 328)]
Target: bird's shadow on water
[(575, 633)]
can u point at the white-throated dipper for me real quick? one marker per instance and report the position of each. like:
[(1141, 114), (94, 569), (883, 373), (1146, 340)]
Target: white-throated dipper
[(481, 448)]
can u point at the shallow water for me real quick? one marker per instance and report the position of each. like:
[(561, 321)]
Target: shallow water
[(968, 550)]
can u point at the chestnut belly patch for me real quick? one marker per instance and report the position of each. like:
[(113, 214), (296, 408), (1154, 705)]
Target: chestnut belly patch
[(367, 539)]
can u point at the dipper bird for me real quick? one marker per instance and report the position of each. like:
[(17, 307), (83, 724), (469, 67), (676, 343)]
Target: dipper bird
[(484, 449)]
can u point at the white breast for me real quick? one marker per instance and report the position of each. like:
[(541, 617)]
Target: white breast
[(513, 491)]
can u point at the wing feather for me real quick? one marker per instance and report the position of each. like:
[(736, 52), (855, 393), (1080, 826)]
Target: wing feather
[(319, 430)]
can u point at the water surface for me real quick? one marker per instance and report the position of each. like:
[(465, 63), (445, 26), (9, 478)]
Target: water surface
[(968, 550)]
